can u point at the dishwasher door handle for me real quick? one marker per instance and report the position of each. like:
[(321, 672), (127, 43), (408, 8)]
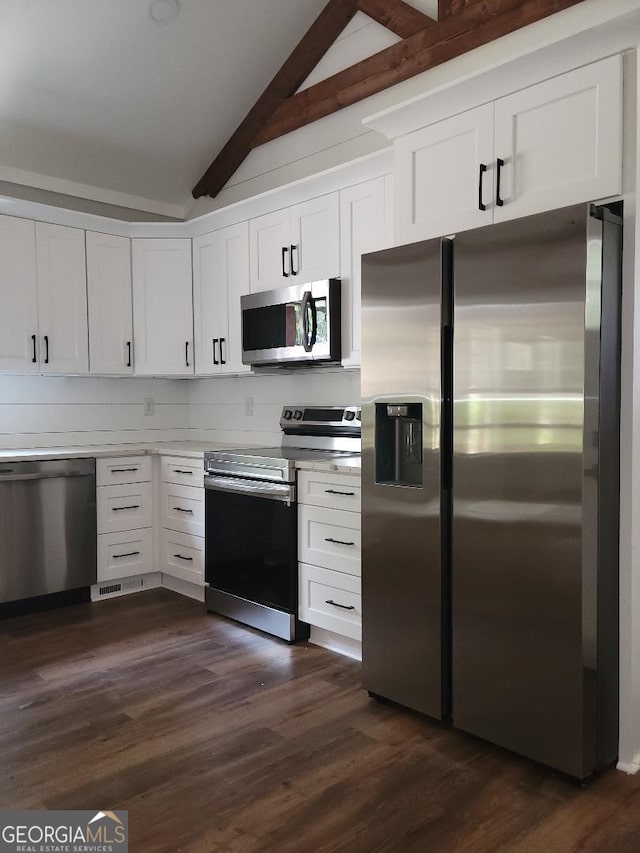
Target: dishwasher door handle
[(21, 478)]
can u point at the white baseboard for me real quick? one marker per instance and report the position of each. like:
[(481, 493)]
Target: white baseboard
[(630, 767), (191, 590), (336, 643)]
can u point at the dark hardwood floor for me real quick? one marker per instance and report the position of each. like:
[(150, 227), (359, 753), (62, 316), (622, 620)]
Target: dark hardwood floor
[(217, 738)]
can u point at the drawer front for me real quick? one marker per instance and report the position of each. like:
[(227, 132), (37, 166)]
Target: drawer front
[(123, 469), (330, 600), (125, 507), (329, 538), (334, 491), (122, 555), (184, 472), (182, 508), (182, 556)]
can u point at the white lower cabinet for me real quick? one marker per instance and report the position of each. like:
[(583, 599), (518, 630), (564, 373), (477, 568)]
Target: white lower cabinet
[(329, 557), (125, 517), (181, 524)]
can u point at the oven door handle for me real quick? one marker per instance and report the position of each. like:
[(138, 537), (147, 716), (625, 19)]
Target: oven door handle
[(285, 492)]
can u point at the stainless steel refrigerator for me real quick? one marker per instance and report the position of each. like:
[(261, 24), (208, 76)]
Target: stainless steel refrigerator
[(490, 475)]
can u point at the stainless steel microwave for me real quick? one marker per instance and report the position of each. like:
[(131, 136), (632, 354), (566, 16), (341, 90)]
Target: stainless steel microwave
[(292, 325)]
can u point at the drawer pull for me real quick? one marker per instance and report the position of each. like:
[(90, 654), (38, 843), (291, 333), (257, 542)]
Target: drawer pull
[(180, 557), (124, 470), (337, 541), (128, 554), (180, 509), (341, 606), (180, 471), (335, 492), (118, 508)]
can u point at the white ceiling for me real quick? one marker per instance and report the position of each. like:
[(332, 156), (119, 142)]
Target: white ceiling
[(98, 101)]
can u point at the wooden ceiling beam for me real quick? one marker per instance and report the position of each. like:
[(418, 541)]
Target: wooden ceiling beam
[(476, 24), (304, 58), (446, 8), (396, 15)]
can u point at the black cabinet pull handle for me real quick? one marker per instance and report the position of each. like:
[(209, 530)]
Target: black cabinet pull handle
[(118, 508), (128, 353), (499, 199), (341, 606), (35, 354), (180, 471), (338, 541), (214, 341), (285, 252), (186, 559), (186, 352), (336, 492), (222, 360), (483, 169), (180, 509), (46, 349), (128, 554), (294, 249), (123, 470)]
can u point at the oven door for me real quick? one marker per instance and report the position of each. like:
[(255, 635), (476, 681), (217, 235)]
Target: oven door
[(294, 324), (251, 541)]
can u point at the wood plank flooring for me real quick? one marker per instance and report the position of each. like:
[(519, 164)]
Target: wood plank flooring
[(217, 738)]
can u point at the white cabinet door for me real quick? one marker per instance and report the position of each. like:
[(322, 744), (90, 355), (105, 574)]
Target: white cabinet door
[(269, 250), (561, 140), (220, 278), (62, 299), (314, 253), (110, 309), (439, 178), (362, 229), (18, 295), (162, 307)]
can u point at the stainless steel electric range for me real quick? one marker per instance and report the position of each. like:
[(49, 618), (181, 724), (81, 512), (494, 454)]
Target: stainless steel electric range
[(251, 545)]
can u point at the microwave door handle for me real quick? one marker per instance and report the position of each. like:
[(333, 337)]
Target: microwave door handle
[(304, 307), (314, 323)]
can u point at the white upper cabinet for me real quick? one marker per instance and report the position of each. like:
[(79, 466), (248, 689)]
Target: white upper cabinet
[(296, 244), (18, 296), (363, 228), (560, 142), (62, 299), (110, 308), (162, 307), (550, 145), (220, 278), (445, 176)]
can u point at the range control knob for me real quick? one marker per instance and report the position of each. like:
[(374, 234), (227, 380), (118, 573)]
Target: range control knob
[(297, 415), (349, 416), (359, 415), (287, 414)]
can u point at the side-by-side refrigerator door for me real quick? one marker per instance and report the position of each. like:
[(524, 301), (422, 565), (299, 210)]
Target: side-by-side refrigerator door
[(402, 586)]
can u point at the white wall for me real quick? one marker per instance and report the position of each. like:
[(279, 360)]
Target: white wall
[(217, 406), (50, 411)]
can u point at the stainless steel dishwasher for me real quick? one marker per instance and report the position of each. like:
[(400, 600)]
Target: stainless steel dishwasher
[(47, 527)]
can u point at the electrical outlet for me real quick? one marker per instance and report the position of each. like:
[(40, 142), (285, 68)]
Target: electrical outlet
[(248, 407), (149, 405)]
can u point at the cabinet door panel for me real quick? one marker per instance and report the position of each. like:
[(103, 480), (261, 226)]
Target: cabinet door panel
[(438, 176), (268, 235), (561, 140), (18, 294), (110, 308), (315, 236), (220, 278), (62, 299), (362, 229), (162, 307)]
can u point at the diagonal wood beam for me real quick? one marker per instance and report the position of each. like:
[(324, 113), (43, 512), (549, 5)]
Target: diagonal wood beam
[(396, 15), (453, 7), (476, 24), (306, 55)]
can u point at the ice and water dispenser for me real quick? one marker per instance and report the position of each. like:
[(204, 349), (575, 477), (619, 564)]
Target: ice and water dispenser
[(399, 444)]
